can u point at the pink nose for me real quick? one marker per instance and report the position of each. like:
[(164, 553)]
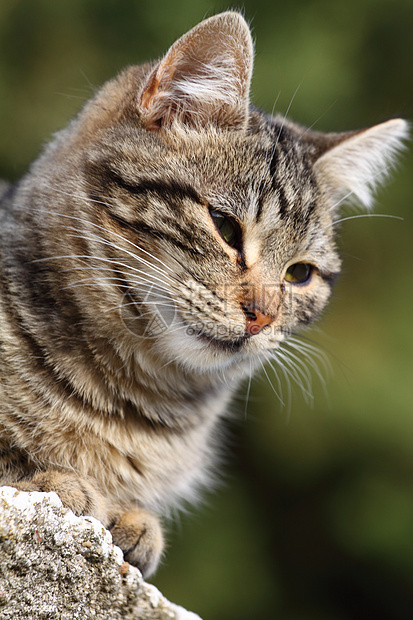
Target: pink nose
[(256, 320)]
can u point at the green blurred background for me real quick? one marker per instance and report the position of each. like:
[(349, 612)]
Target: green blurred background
[(314, 519)]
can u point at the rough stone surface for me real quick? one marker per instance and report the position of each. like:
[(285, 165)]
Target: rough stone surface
[(56, 566)]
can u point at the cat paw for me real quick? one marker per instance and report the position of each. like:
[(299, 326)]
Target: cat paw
[(139, 535), (75, 492)]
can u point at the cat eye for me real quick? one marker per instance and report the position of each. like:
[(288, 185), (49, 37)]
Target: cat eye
[(228, 228), (299, 273)]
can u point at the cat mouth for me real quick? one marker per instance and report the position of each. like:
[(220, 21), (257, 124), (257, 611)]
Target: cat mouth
[(224, 344), (213, 335)]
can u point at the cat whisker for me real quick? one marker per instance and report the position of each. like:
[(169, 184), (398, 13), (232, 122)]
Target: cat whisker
[(308, 129), (247, 395), (288, 370), (276, 375), (133, 303), (289, 108), (280, 366), (112, 245), (120, 306), (313, 355), (301, 367), (81, 220), (287, 379), (158, 271), (89, 223), (136, 279), (315, 351), (271, 149), (297, 374), (173, 360), (314, 359), (151, 303), (145, 302), (222, 377), (274, 148), (305, 342), (361, 215), (111, 261), (127, 288), (140, 248), (317, 360), (96, 237), (381, 173), (70, 96), (139, 317), (141, 279), (270, 382), (275, 103)]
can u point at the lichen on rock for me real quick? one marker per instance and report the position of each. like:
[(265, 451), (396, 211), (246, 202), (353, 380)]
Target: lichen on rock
[(56, 566)]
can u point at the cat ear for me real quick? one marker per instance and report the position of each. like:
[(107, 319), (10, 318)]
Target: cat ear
[(355, 164), (204, 77)]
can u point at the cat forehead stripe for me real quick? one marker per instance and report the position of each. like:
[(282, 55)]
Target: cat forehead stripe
[(160, 186)]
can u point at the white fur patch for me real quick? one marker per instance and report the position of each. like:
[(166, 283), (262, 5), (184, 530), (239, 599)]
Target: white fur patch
[(357, 166), (213, 82), (206, 73)]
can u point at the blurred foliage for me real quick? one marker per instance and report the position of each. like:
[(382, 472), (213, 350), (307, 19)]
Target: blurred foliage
[(315, 519)]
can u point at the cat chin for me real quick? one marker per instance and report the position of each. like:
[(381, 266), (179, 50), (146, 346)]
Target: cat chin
[(201, 353)]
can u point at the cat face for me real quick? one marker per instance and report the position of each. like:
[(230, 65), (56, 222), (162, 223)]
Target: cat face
[(219, 219), (237, 240)]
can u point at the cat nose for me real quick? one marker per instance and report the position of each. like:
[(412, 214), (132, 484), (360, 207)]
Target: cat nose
[(256, 320)]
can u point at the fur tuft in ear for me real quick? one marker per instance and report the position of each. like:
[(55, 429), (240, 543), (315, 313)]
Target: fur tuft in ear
[(358, 164), (204, 77)]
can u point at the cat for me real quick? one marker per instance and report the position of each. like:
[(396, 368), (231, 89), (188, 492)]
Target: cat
[(158, 251)]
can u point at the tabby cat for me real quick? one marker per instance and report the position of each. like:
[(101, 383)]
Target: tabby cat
[(158, 251)]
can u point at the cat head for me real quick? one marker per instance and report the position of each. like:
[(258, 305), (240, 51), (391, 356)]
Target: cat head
[(219, 219)]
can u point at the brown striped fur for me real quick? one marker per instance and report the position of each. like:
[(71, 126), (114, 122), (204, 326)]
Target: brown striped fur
[(112, 228)]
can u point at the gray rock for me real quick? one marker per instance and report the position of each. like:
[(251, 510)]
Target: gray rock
[(56, 566)]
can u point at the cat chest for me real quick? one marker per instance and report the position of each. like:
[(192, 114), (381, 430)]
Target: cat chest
[(159, 470)]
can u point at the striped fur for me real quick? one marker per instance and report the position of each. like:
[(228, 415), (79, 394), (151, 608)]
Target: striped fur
[(125, 316)]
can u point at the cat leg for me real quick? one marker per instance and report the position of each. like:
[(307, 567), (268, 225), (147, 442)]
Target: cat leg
[(75, 492), (139, 534)]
